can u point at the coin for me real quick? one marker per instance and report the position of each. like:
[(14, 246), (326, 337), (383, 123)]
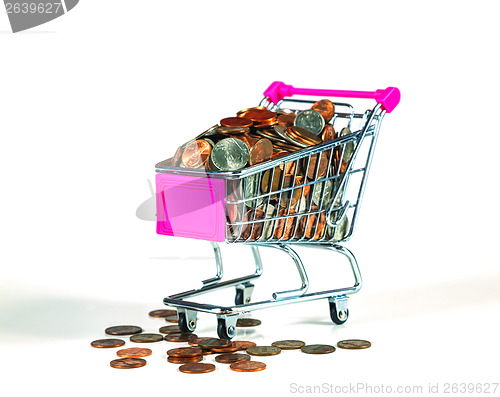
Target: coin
[(230, 154), (172, 318), (322, 190), (288, 344), (243, 112), (231, 358), (106, 343), (231, 130), (322, 167), (317, 349), (285, 226), (194, 339), (247, 322), (126, 363), (286, 119), (196, 154), (163, 313), (314, 230), (354, 344), (259, 116), (261, 151), (243, 344), (184, 352), (184, 360), (134, 352), (342, 229), (247, 139), (236, 122), (311, 120), (282, 132), (263, 350), (302, 136), (123, 330), (214, 342), (248, 366), (197, 368), (252, 231), (326, 108), (178, 337), (328, 133), (177, 156), (146, 338), (252, 190), (170, 329), (230, 349)]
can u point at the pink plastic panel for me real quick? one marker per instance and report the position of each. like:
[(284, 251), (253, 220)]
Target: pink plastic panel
[(188, 206)]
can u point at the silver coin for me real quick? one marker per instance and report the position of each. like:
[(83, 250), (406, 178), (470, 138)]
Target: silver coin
[(323, 189), (311, 120), (268, 226), (348, 147), (280, 130), (230, 154), (342, 229), (252, 189)]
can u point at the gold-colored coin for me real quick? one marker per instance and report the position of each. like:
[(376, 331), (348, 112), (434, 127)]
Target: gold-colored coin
[(354, 344), (288, 344), (263, 350)]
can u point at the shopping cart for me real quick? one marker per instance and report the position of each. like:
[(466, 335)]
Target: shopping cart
[(264, 206)]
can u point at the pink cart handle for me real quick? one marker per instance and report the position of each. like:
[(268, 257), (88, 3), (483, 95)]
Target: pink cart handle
[(388, 98)]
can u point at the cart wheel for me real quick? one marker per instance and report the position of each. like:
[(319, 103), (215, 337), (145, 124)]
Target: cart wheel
[(238, 300), (183, 324), (224, 331), (339, 317)]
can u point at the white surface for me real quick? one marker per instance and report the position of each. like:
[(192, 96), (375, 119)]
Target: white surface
[(91, 101)]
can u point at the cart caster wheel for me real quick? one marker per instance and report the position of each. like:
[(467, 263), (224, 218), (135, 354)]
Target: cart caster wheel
[(184, 325), (224, 331), (339, 317), (243, 294)]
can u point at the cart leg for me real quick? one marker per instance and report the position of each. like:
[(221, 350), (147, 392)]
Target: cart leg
[(218, 265), (244, 290), (302, 273)]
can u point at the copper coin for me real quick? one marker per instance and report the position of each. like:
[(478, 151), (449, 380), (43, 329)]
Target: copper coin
[(243, 344), (178, 337), (128, 363), (328, 134), (247, 322), (106, 343), (230, 349), (279, 153), (248, 366), (194, 339), (286, 120), (184, 360), (259, 116), (322, 167), (326, 108), (232, 130), (252, 231), (231, 358), (134, 352), (197, 368), (170, 329), (172, 319), (285, 227), (196, 154), (243, 112), (318, 349), (236, 122), (354, 344), (288, 344), (263, 350), (313, 225), (163, 313), (185, 352), (146, 338), (248, 139), (123, 330), (214, 342), (302, 135), (261, 151)]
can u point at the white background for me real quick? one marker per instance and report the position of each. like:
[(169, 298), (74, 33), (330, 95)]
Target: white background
[(91, 101)]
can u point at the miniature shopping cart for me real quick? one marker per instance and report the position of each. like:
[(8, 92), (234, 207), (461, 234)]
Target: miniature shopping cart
[(259, 206)]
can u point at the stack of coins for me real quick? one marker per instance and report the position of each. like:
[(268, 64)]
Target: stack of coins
[(295, 195)]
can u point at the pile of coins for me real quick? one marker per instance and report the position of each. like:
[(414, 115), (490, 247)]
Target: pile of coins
[(238, 354), (294, 195)]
